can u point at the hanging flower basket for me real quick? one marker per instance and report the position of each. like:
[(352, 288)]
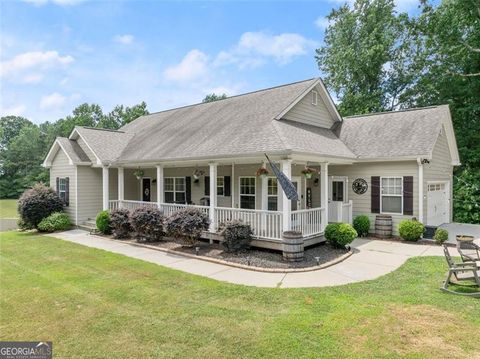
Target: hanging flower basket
[(197, 174), (262, 172), (138, 173), (308, 172)]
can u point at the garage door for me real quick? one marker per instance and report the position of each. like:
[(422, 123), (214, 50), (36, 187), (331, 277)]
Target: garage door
[(437, 204)]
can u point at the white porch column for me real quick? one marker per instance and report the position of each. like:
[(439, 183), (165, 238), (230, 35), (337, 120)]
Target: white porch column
[(213, 195), (286, 167), (105, 189), (324, 193), (160, 180), (264, 180), (420, 190), (121, 184)]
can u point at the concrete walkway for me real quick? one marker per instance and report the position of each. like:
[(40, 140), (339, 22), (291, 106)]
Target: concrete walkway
[(372, 259)]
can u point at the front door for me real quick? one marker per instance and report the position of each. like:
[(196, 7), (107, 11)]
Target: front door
[(336, 197), (146, 189), (437, 203)]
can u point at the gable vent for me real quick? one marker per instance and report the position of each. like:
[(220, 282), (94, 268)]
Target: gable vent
[(314, 98)]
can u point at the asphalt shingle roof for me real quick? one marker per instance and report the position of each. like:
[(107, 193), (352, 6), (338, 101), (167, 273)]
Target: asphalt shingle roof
[(73, 150)]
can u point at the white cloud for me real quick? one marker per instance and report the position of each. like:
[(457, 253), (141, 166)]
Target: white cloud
[(124, 39), (16, 110), (52, 101), (256, 48), (34, 59), (322, 22), (192, 66), (32, 78)]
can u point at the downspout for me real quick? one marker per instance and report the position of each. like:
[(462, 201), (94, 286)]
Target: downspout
[(420, 190)]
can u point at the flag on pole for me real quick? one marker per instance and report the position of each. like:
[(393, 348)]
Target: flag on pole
[(287, 185)]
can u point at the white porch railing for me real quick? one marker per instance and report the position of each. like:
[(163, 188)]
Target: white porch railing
[(169, 208), (307, 221), (130, 205), (265, 224)]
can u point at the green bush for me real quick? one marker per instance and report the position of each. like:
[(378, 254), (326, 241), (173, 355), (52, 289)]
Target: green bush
[(237, 235), (362, 225), (441, 235), (23, 226), (148, 224), (57, 221), (103, 222), (340, 234), (187, 223), (120, 223), (38, 203), (411, 230)]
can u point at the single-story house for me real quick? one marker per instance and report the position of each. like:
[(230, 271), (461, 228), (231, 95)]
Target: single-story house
[(206, 155)]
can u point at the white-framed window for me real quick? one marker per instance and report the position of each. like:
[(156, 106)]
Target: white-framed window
[(391, 195), (174, 188), (436, 187), (247, 192), (272, 194), (220, 186), (62, 189), (314, 98)]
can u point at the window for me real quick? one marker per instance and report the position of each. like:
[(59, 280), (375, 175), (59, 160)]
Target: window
[(391, 195), (314, 98), (337, 191), (220, 186), (272, 192), (174, 188), (247, 192), (436, 187), (62, 189)]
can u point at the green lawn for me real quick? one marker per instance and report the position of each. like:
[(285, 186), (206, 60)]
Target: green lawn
[(8, 208), (93, 303)]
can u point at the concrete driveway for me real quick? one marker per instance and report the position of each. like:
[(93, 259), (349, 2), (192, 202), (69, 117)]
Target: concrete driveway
[(455, 229), (371, 259)]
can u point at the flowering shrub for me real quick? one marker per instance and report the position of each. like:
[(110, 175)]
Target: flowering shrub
[(120, 223), (38, 203), (187, 223), (237, 235), (147, 224)]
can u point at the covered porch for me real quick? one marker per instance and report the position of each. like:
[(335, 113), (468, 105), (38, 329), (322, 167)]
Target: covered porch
[(227, 191)]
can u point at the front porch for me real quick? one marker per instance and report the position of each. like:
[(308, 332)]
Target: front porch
[(237, 194)]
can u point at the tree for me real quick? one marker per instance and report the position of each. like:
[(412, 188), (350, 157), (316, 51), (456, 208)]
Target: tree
[(10, 127), (214, 97), (121, 115)]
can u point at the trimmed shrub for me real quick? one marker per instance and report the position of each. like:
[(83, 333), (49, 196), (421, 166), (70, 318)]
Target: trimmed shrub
[(411, 230), (103, 222), (362, 225), (441, 235), (57, 221), (237, 236), (187, 223), (340, 234), (24, 226), (38, 203), (120, 223), (148, 224)]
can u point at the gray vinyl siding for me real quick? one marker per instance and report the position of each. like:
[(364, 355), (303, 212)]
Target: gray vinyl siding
[(362, 203), (305, 112), (89, 183), (439, 169), (87, 150), (61, 168)]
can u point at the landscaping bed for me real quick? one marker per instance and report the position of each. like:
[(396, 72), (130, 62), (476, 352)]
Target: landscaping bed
[(254, 257)]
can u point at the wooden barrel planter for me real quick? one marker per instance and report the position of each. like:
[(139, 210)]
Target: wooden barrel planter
[(383, 226), (293, 248)]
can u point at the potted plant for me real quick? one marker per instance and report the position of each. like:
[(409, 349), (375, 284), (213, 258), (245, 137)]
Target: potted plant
[(262, 171), (138, 173), (308, 172)]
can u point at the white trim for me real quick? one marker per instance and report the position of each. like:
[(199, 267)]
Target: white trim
[(213, 171), (48, 163), (343, 179), (174, 187), (324, 193), (160, 185), (99, 162), (449, 199), (391, 195), (297, 100), (300, 190), (286, 168), (76, 195), (141, 188), (223, 186), (105, 187), (120, 183), (314, 98), (232, 186), (450, 133), (420, 190), (239, 191)]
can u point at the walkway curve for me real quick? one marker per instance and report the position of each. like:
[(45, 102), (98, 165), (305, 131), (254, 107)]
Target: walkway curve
[(372, 259)]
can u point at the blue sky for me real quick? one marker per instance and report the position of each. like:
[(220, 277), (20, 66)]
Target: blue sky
[(56, 54)]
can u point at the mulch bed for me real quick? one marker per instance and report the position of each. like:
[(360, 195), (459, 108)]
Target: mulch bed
[(256, 257)]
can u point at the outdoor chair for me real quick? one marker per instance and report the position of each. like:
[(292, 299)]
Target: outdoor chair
[(462, 272), (469, 251)]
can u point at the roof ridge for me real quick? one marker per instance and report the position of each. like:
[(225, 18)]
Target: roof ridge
[(100, 129), (393, 112), (230, 97)]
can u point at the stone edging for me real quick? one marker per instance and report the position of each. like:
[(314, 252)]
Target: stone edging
[(237, 265)]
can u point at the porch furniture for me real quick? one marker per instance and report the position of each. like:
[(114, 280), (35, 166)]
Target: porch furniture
[(462, 272), (469, 251)]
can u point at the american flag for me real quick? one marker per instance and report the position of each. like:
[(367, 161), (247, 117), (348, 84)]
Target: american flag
[(287, 185)]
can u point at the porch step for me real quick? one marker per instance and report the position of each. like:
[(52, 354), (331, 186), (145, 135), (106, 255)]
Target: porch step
[(88, 225)]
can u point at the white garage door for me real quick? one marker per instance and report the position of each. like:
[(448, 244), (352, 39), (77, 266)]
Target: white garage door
[(437, 204)]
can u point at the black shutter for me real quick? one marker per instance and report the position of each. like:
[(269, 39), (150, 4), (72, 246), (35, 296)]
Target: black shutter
[(67, 191), (375, 199), (408, 195), (57, 185), (227, 184), (207, 186), (188, 189)]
